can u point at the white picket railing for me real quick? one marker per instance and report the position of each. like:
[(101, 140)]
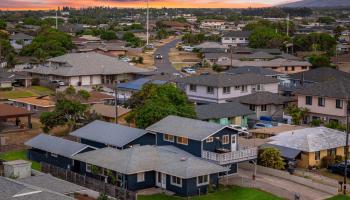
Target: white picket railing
[(231, 157)]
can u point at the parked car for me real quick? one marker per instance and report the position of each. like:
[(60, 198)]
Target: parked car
[(188, 70), (197, 65), (339, 168), (238, 127), (188, 48), (177, 74), (205, 73), (58, 82), (125, 59), (150, 46), (159, 56), (262, 125)]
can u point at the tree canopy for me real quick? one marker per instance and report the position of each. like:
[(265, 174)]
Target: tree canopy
[(266, 38), (108, 35), (132, 40), (271, 157), (320, 61), (297, 113), (154, 102), (49, 43), (3, 24), (315, 42)]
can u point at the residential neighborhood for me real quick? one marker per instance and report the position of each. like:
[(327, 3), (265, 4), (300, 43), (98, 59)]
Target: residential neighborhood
[(171, 100)]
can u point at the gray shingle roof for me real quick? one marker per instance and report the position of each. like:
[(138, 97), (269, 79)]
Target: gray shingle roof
[(14, 190), (20, 36), (278, 62), (91, 63), (310, 139), (285, 151), (227, 80), (108, 133), (222, 110), (262, 98), (237, 34), (254, 70), (320, 75), (185, 127), (149, 158), (55, 145), (339, 88)]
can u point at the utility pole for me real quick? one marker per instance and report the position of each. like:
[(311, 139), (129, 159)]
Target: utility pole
[(147, 23), (116, 100), (56, 20), (346, 151), (288, 25)]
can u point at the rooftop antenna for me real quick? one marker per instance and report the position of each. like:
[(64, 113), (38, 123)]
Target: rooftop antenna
[(147, 23)]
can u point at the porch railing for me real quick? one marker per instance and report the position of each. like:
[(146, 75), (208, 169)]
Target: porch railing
[(231, 157)]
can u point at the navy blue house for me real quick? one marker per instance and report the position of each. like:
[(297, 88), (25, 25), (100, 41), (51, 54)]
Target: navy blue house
[(102, 134), (207, 140), (147, 166), (54, 150)]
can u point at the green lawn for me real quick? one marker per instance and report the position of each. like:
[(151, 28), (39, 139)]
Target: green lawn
[(41, 90), (16, 94), (19, 155), (340, 197), (232, 193)]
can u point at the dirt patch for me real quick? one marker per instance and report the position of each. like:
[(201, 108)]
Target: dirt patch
[(181, 56), (148, 60)]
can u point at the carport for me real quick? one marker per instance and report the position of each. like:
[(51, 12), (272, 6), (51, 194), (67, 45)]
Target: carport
[(12, 112)]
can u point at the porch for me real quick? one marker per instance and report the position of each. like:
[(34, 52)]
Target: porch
[(231, 157)]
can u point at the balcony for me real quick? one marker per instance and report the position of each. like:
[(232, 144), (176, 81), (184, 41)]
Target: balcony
[(231, 157)]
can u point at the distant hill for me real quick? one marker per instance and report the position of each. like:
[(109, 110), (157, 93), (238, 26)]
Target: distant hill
[(318, 3)]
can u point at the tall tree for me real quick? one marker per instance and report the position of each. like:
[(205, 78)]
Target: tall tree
[(155, 102), (297, 113), (271, 157)]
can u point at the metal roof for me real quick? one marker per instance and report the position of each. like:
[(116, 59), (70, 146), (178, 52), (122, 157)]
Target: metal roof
[(286, 152), (185, 127), (150, 158), (138, 84), (55, 145), (108, 133)]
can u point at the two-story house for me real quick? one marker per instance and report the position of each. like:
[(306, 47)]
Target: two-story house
[(19, 40), (211, 141), (217, 88), (236, 38), (212, 24), (326, 101)]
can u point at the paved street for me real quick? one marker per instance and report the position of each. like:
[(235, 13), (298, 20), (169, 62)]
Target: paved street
[(275, 185), (164, 65)]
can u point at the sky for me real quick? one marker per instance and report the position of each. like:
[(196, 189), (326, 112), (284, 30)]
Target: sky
[(52, 4)]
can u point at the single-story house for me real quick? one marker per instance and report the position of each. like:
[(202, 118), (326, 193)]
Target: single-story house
[(86, 69), (35, 104), (102, 134), (313, 143), (19, 40), (108, 112), (142, 167), (224, 113), (11, 112), (54, 150)]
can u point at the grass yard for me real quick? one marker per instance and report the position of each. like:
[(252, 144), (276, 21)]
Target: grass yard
[(16, 94), (41, 90), (340, 197), (19, 155), (231, 193)]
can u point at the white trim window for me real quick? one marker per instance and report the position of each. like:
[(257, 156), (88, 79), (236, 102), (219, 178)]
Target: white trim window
[(141, 177), (209, 139), (88, 168), (225, 139), (182, 140), (177, 181), (193, 88), (202, 180), (226, 90), (168, 137)]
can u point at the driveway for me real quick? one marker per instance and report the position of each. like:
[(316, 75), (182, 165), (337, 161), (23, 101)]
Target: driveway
[(164, 65), (275, 185)]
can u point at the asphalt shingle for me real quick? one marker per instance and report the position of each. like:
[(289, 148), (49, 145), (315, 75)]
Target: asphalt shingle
[(222, 110)]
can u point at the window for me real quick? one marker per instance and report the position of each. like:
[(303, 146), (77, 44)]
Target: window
[(202, 180), (308, 100), (321, 101), (54, 155), (293, 68), (210, 90), (331, 152), (182, 140), (286, 68), (263, 108), (259, 87), (176, 181), (244, 88), (210, 139), (339, 103), (140, 177), (252, 107), (88, 168), (226, 90), (225, 139), (304, 67), (317, 155), (193, 88), (237, 87), (169, 138)]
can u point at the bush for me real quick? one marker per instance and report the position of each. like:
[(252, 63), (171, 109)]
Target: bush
[(35, 81), (316, 122), (6, 89), (327, 161), (338, 159)]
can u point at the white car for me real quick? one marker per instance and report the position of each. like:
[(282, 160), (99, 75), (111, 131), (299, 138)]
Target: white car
[(240, 128), (190, 71), (58, 82), (125, 59)]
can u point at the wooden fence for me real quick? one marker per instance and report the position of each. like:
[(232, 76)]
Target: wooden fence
[(88, 182)]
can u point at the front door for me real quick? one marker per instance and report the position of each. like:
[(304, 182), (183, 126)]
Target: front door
[(234, 142), (161, 180)]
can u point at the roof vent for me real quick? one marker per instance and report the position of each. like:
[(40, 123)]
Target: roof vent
[(183, 158)]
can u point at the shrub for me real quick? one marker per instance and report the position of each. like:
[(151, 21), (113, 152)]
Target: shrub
[(316, 122), (327, 161), (338, 159)]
